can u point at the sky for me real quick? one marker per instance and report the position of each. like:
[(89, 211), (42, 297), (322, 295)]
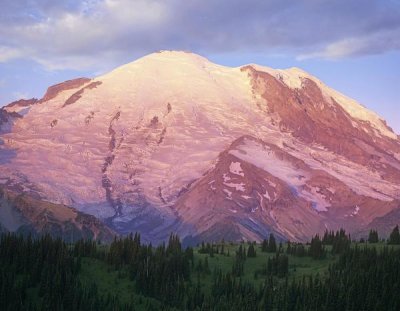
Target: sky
[(351, 45)]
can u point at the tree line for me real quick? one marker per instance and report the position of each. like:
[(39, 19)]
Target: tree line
[(44, 274)]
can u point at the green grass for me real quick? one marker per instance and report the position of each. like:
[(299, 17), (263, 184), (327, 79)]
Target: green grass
[(305, 266), (112, 282), (298, 266), (106, 279), (117, 283)]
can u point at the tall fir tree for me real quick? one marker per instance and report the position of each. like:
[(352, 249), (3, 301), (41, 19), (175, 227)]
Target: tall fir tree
[(272, 244), (373, 236), (264, 246), (317, 250), (394, 238), (251, 252)]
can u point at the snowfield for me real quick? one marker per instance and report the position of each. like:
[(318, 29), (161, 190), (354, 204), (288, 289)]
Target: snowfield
[(127, 145)]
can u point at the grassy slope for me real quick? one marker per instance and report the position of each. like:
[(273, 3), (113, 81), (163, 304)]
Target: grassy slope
[(112, 282), (298, 266), (118, 283)]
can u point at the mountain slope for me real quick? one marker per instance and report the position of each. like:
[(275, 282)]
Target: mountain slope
[(138, 146), (258, 188), (28, 215)]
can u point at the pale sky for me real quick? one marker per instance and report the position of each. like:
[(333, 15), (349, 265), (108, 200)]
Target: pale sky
[(353, 46)]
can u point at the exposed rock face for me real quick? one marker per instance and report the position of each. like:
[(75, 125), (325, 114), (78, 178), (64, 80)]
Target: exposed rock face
[(75, 97), (20, 104), (56, 89), (7, 119), (25, 214), (312, 117), (172, 142), (257, 188)]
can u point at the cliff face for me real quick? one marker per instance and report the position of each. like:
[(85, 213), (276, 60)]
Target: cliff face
[(173, 142)]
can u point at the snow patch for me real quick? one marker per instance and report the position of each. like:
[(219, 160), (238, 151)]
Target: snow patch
[(226, 178), (359, 178), (238, 187), (211, 183), (318, 200), (261, 200), (331, 190), (229, 194), (266, 159), (357, 111), (292, 77), (254, 209), (356, 211), (272, 184), (235, 168)]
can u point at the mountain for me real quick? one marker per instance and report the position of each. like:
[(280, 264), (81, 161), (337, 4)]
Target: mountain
[(173, 142), (22, 213)]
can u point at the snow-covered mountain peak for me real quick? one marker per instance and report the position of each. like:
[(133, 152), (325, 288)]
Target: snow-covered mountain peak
[(128, 145), (168, 73), (180, 78), (176, 55), (162, 61)]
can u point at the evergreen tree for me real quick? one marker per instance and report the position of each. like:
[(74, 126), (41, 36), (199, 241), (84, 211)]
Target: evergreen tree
[(340, 242), (394, 238), (45, 274), (223, 247), (271, 244), (373, 236), (264, 246), (251, 252), (278, 265), (296, 249), (316, 250)]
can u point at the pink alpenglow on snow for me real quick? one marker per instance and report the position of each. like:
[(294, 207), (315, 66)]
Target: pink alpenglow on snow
[(173, 142)]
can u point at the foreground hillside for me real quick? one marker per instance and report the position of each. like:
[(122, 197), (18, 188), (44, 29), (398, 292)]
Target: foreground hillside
[(328, 274), (175, 143)]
